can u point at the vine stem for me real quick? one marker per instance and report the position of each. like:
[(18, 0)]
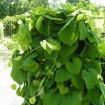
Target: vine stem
[(47, 78)]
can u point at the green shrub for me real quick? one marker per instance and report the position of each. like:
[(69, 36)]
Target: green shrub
[(56, 60), (11, 23)]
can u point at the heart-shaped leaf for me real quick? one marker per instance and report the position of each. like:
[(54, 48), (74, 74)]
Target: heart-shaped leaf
[(69, 34), (62, 75), (91, 77), (74, 66)]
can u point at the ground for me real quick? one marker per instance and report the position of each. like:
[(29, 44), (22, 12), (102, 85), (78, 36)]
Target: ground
[(7, 95)]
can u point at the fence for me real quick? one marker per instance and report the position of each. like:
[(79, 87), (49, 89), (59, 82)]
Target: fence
[(9, 29)]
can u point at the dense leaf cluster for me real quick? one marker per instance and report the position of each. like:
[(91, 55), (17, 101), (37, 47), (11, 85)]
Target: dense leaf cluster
[(56, 60)]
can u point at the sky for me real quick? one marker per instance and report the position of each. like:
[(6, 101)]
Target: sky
[(97, 2)]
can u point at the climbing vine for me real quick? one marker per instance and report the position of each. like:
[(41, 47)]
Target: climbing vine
[(57, 60)]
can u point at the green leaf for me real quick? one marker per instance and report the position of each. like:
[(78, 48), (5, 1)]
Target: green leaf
[(91, 51), (50, 45), (62, 75), (52, 99), (39, 10), (32, 24), (21, 92), (76, 98), (80, 17), (33, 66), (83, 30), (65, 100), (73, 99), (36, 42), (53, 18), (69, 35), (96, 65), (102, 88), (43, 26), (31, 90), (44, 45), (53, 44), (62, 89), (14, 86), (27, 63), (32, 100), (35, 83), (69, 20), (74, 66), (91, 77), (93, 95), (77, 80), (91, 38), (67, 50), (39, 23), (17, 74)]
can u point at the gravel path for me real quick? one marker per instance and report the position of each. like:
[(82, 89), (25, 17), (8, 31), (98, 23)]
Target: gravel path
[(7, 95)]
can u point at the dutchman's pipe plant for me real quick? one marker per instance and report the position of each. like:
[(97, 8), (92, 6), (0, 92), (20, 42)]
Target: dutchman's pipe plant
[(56, 62)]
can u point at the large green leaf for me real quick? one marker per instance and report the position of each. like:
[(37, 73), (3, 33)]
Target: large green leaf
[(17, 74), (43, 26), (69, 34), (93, 95), (91, 51), (77, 82), (52, 99), (27, 62), (96, 65), (73, 99), (67, 50), (83, 30), (62, 75), (65, 100), (76, 98), (91, 77), (74, 66), (33, 67)]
